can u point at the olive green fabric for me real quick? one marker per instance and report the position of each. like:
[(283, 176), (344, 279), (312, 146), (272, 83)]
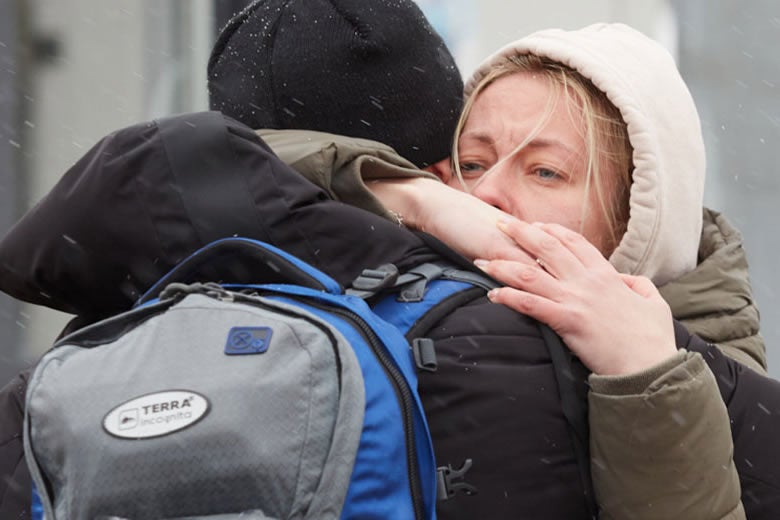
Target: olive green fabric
[(715, 300), (665, 452), (341, 164)]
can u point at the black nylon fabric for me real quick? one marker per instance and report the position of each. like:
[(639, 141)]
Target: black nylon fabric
[(494, 399), (117, 221), (753, 404), (15, 481)]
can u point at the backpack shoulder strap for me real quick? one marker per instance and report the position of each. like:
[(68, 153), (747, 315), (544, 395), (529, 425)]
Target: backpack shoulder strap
[(435, 290), (415, 300), (239, 261), (571, 376)]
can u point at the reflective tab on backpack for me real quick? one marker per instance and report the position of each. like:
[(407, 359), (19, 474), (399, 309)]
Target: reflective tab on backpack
[(248, 340)]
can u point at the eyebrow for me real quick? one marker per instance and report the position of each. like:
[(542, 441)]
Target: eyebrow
[(481, 137), (537, 142), (549, 143)]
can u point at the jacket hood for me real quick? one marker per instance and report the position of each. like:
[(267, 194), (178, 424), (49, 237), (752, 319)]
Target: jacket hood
[(147, 196), (715, 300), (641, 79)]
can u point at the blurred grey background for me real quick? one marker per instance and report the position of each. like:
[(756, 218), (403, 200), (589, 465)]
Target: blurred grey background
[(71, 72)]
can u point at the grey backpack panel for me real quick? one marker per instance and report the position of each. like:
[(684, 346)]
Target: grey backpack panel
[(206, 429)]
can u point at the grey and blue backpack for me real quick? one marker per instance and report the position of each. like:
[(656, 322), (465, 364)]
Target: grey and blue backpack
[(275, 400)]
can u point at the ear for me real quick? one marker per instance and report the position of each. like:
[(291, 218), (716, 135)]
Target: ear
[(441, 169)]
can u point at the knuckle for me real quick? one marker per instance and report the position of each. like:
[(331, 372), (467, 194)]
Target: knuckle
[(525, 302), (565, 296), (514, 299), (578, 315), (527, 274), (571, 237), (549, 244), (604, 272)]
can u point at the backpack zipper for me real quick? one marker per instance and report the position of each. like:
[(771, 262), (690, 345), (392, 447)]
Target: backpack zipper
[(399, 385)]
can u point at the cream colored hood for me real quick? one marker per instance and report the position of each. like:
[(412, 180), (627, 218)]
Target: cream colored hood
[(642, 81)]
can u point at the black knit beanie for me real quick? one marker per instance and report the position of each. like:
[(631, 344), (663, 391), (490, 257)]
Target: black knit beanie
[(363, 68)]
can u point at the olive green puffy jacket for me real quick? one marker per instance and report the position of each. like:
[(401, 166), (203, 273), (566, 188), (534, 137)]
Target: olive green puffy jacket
[(715, 300)]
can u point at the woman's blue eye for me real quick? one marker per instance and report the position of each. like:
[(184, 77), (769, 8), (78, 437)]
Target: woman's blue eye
[(471, 169), (546, 174)]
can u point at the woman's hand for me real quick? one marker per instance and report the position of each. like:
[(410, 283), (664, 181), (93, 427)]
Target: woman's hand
[(616, 324), (461, 221)]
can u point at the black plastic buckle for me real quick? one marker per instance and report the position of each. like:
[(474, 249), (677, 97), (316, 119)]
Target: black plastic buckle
[(374, 280), (414, 292), (424, 352), (446, 485)]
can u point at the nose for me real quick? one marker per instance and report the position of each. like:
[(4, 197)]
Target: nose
[(492, 188)]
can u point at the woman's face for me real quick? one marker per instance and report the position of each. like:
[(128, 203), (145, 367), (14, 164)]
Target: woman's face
[(545, 181)]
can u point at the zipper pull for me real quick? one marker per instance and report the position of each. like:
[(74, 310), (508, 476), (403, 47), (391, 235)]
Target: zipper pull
[(177, 291)]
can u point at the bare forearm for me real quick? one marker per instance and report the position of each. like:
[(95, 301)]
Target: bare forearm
[(463, 222)]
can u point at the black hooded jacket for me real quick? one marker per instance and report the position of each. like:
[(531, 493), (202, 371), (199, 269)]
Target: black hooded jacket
[(147, 196)]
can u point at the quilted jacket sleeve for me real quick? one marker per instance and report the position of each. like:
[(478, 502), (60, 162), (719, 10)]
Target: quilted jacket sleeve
[(664, 451), (341, 165)]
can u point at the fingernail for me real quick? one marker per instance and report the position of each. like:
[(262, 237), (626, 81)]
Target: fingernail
[(492, 293), (538, 224), (479, 262), (502, 223)]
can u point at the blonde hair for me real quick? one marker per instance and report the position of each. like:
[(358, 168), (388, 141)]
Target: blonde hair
[(605, 133)]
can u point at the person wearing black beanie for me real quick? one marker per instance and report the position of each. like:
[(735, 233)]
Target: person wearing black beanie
[(372, 69)]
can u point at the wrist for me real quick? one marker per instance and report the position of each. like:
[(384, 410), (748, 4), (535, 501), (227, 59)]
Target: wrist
[(403, 198), (636, 383), (636, 364)]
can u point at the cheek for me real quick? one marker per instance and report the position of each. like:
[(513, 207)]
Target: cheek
[(566, 211), (550, 206), (597, 230), (597, 234)]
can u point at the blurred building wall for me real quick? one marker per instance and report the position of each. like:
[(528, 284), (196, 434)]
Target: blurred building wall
[(97, 66), (729, 57), (474, 29), (12, 81)]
